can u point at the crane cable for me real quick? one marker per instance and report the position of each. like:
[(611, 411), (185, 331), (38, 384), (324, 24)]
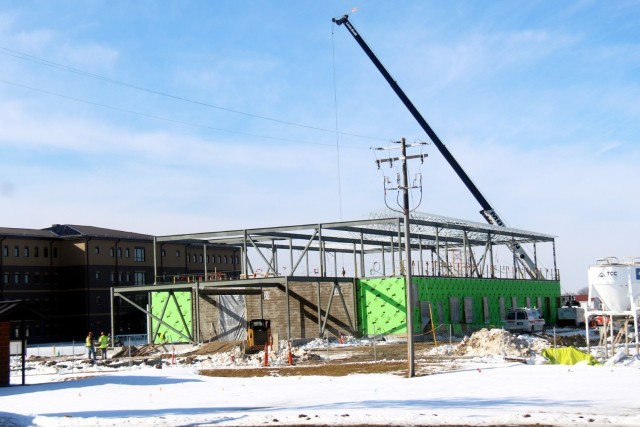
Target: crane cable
[(335, 106)]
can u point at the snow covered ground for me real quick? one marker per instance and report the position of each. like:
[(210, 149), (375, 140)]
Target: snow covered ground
[(486, 390)]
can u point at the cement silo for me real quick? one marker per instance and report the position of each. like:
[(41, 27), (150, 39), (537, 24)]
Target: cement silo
[(615, 284)]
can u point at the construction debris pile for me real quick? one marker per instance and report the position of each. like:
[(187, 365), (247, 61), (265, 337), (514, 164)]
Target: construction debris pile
[(488, 342)]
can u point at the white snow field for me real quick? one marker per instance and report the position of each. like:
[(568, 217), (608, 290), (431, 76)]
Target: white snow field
[(485, 389)]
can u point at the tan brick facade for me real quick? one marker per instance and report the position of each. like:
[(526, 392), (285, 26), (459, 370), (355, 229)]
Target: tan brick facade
[(66, 272)]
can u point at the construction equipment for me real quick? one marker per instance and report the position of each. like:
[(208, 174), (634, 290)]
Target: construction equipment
[(258, 335), (488, 212), (571, 314)]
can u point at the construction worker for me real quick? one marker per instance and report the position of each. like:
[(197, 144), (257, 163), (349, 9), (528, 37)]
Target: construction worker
[(91, 350), (103, 341)]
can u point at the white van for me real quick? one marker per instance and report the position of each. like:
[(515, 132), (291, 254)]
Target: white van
[(524, 320)]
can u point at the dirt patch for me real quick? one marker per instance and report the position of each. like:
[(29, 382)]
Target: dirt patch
[(569, 340), (332, 369), (216, 347)]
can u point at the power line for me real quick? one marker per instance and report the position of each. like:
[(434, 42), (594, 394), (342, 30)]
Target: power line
[(47, 63), (151, 116)]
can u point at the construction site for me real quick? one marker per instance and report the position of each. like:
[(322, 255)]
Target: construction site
[(348, 278), (400, 272)]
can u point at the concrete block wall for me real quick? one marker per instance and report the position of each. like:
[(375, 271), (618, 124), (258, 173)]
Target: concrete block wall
[(209, 317), (5, 368), (303, 306)]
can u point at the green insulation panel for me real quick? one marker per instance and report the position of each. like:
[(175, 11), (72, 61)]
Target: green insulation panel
[(174, 308), (463, 303), (381, 306)]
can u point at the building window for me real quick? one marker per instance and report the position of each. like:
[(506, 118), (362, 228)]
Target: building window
[(26, 278), (97, 275), (225, 259), (219, 259), (98, 300), (36, 252), (119, 252), (128, 277), (201, 258), (119, 277), (162, 253), (26, 251), (454, 310), (16, 278), (36, 278), (112, 252), (193, 258), (467, 305), (140, 278), (177, 254), (45, 252), (113, 277), (126, 253), (5, 278), (97, 250), (138, 254), (16, 251), (5, 251)]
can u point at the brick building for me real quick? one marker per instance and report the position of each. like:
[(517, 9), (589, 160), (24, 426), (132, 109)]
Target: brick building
[(67, 272)]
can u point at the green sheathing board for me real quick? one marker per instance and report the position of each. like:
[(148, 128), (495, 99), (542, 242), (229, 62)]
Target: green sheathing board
[(382, 302), (541, 294), (381, 306), (174, 308)]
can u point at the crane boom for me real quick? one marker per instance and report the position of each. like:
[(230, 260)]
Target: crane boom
[(488, 212)]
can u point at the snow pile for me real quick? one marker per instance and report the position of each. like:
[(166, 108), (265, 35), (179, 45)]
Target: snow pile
[(224, 360), (441, 350), (491, 342), (343, 341), (621, 359)]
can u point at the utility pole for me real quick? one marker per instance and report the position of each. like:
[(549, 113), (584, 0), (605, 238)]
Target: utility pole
[(405, 209)]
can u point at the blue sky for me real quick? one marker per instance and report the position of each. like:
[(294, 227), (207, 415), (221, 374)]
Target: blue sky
[(176, 117)]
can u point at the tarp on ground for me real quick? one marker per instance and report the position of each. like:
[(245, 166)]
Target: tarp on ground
[(568, 356)]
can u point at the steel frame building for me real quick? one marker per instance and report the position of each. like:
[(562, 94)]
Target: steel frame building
[(378, 240), (382, 239)]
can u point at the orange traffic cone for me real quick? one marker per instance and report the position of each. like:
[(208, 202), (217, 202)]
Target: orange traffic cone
[(290, 355)]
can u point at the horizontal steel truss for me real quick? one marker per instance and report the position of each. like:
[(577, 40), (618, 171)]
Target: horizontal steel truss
[(373, 236)]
